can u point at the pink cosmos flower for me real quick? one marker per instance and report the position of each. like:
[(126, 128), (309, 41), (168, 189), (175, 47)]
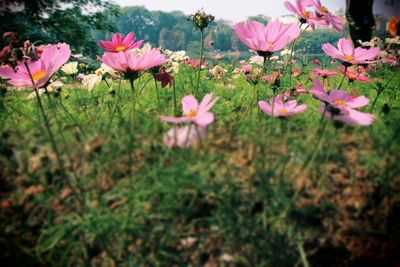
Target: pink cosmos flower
[(300, 89), (347, 54), (338, 98), (280, 107), (339, 105), (51, 59), (127, 62), (323, 12), (316, 61), (267, 39), (185, 136), (297, 73), (324, 73), (355, 76), (392, 60), (198, 114), (247, 68), (348, 116), (305, 15), (219, 56), (118, 44)]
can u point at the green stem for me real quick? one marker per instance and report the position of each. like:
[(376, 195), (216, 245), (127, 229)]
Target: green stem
[(175, 103), (46, 122), (158, 96), (303, 255), (133, 100), (344, 76), (201, 59), (289, 62)]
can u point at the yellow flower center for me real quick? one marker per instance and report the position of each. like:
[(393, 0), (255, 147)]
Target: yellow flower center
[(349, 57), (192, 113), (98, 72), (120, 48), (340, 102), (306, 14), (283, 111), (352, 76), (39, 75), (270, 43), (324, 10)]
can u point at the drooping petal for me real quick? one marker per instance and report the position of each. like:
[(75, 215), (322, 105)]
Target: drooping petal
[(355, 117), (358, 102)]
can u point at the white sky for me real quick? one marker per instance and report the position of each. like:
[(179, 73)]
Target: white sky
[(234, 10)]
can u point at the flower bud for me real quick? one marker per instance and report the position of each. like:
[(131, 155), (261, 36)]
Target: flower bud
[(200, 19)]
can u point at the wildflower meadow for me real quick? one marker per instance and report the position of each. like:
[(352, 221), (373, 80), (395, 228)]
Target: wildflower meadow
[(143, 156)]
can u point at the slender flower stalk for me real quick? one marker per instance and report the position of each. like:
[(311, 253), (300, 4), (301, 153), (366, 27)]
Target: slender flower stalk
[(201, 60), (158, 96), (46, 122)]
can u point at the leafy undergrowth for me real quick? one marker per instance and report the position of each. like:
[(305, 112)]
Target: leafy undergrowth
[(258, 192)]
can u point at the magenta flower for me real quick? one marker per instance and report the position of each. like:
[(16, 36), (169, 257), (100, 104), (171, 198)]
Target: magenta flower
[(276, 107), (348, 116), (219, 56), (118, 44), (316, 61), (323, 12), (247, 68), (305, 15), (324, 73), (339, 105), (51, 59), (198, 114), (185, 136), (127, 62), (338, 98), (347, 54), (266, 40), (355, 76)]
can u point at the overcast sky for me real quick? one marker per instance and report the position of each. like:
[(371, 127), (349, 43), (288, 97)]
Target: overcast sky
[(234, 10)]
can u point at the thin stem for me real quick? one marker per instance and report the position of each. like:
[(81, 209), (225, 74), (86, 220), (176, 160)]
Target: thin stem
[(201, 59), (344, 76), (158, 96), (303, 255), (175, 104), (133, 100), (46, 122), (289, 62)]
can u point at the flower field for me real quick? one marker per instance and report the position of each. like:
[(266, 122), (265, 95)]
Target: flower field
[(148, 157)]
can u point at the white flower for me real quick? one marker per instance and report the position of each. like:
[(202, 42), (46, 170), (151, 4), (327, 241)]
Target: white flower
[(258, 60), (54, 86), (375, 42), (106, 69), (33, 94), (70, 68), (218, 72), (395, 40), (286, 52), (139, 51), (51, 88), (91, 80), (179, 56)]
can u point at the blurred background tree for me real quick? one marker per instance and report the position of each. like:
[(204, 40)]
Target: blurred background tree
[(82, 23), (53, 21)]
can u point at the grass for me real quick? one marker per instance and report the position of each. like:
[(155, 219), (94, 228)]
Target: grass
[(122, 198)]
